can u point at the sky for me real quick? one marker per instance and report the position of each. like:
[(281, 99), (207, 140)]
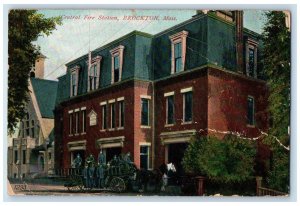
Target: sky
[(84, 30)]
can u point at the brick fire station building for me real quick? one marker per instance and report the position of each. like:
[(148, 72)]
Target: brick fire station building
[(150, 94)]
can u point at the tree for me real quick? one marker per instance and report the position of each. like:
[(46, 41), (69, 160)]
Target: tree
[(277, 67), (230, 160), (24, 27)]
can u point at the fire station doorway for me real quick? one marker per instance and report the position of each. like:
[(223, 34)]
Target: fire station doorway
[(111, 152), (175, 154)]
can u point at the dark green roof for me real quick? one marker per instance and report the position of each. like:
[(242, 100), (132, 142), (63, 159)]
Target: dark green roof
[(45, 93)]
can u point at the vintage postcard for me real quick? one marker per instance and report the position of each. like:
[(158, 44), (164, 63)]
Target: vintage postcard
[(149, 102)]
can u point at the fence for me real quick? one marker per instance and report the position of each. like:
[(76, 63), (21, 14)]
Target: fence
[(263, 191), (64, 172)]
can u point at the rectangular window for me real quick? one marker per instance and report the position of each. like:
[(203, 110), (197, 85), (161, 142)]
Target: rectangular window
[(24, 156), (16, 157), (74, 83), (104, 117), (70, 123), (144, 157), (145, 112), (76, 122), (116, 68), (83, 121), (93, 77), (250, 111), (112, 115), (178, 57), (32, 129), (187, 106), (121, 113), (170, 110), (251, 62)]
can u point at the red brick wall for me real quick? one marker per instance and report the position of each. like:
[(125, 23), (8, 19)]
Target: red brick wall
[(197, 80), (132, 131), (219, 102), (227, 103)]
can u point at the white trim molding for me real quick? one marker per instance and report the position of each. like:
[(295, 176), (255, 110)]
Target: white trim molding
[(120, 99), (169, 94), (251, 44), (103, 103), (95, 61), (145, 144), (74, 70), (185, 90), (118, 51), (111, 101), (177, 136), (70, 111), (110, 142), (179, 37), (145, 97), (76, 145), (83, 108)]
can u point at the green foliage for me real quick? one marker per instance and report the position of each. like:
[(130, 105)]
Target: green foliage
[(24, 27), (230, 160), (277, 66)]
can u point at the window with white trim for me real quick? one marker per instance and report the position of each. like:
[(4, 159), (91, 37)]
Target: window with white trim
[(70, 124), (93, 76), (74, 81), (170, 119), (121, 113), (117, 63), (251, 58), (144, 157), (178, 51), (112, 116), (76, 122), (94, 73), (104, 117), (32, 129), (188, 106), (83, 121), (145, 112), (250, 110)]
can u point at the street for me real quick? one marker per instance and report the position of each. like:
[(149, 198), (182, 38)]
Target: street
[(42, 189)]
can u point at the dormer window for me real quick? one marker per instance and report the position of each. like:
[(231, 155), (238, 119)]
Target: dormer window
[(116, 68), (117, 64), (94, 73), (74, 81), (178, 48), (251, 58)]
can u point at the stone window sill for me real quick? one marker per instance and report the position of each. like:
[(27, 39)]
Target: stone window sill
[(190, 122), (120, 128), (251, 125), (169, 125), (145, 127)]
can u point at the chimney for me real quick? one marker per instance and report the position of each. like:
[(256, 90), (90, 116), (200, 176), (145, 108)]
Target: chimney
[(39, 67), (238, 18)]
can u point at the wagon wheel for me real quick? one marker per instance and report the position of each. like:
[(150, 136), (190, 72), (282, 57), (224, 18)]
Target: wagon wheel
[(75, 184), (117, 184)]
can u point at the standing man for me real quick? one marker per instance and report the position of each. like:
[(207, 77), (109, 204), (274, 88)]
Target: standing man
[(100, 171)]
